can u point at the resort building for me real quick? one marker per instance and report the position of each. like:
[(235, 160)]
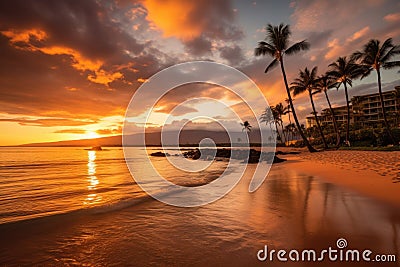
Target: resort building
[(365, 110)]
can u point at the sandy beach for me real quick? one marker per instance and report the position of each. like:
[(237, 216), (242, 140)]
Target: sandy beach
[(373, 173)]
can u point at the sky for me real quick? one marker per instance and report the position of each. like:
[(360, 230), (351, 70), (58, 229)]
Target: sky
[(68, 69)]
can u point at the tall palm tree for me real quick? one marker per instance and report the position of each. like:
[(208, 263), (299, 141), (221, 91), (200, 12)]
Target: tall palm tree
[(268, 117), (325, 83), (276, 45), (307, 82), (288, 110), (246, 126), (289, 131), (271, 117), (344, 70), (280, 110), (375, 56)]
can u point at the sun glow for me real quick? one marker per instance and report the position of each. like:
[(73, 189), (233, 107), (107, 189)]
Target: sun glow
[(91, 135)]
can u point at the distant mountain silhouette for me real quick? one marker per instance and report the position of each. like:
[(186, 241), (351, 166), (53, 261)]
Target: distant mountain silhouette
[(186, 137)]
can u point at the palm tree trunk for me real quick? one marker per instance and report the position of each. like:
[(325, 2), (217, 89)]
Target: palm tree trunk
[(383, 108), (348, 115), (317, 121), (283, 133), (303, 136), (335, 126), (277, 131)]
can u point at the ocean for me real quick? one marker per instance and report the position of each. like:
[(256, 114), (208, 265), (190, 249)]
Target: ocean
[(73, 207), (38, 182)]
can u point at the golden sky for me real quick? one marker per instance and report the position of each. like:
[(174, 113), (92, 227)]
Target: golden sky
[(69, 68)]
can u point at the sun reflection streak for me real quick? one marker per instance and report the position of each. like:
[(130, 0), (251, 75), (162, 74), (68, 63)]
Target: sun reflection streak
[(92, 196)]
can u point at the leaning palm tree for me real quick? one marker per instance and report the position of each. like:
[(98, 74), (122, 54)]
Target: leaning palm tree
[(375, 56), (325, 83), (276, 45), (307, 83), (246, 126), (344, 70)]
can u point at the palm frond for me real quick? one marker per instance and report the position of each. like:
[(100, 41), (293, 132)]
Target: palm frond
[(316, 91), (263, 49), (386, 46), (395, 50), (390, 65), (297, 47), (356, 56), (271, 65)]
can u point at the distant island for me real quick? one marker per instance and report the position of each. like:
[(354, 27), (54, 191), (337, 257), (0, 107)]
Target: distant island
[(186, 138)]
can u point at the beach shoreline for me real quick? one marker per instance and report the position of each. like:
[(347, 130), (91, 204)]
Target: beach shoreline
[(372, 173)]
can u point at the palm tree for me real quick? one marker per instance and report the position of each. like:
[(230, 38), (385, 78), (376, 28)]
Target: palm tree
[(280, 110), (278, 121), (289, 131), (344, 71), (375, 56), (307, 82), (288, 109), (246, 126), (325, 83), (268, 117), (276, 45)]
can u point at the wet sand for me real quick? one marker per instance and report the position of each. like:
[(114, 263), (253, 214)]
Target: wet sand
[(373, 173), (290, 210)]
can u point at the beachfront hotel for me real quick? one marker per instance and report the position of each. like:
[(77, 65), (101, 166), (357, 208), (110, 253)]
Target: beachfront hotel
[(365, 110)]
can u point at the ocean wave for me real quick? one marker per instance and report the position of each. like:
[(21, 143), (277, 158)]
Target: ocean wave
[(101, 208)]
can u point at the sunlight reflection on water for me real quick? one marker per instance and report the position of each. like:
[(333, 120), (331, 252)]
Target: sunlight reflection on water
[(92, 197)]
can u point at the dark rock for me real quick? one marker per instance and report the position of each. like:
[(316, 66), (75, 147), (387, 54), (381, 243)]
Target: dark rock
[(278, 160), (247, 156), (159, 154)]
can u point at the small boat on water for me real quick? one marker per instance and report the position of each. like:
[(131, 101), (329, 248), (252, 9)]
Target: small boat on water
[(95, 148)]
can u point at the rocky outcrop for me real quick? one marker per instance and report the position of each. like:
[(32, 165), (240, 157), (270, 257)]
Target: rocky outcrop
[(159, 154), (247, 156)]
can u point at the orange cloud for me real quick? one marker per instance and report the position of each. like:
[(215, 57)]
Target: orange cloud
[(141, 80), (24, 36), (173, 18), (109, 131), (103, 77), (393, 17), (48, 122), (358, 34), (79, 62), (336, 48), (71, 131)]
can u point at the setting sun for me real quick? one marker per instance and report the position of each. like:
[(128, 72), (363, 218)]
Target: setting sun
[(91, 135)]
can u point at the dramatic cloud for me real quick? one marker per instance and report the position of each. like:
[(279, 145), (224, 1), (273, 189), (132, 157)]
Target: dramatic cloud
[(195, 23), (70, 68), (234, 55), (64, 59)]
